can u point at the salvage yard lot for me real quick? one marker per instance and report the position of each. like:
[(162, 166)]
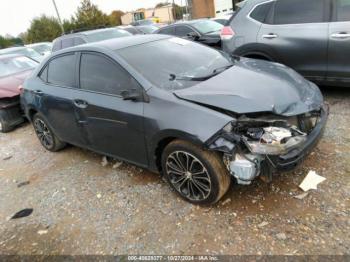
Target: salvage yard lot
[(81, 207)]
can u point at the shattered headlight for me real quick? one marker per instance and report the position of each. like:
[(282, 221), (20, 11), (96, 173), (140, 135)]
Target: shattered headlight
[(273, 140)]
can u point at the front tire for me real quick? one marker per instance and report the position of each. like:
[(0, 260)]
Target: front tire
[(45, 135), (197, 175)]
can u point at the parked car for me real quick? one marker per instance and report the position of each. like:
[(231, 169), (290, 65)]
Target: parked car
[(305, 35), (43, 48), (131, 29), (147, 29), (139, 30), (203, 31), (13, 70), (223, 19), (199, 118), (22, 50), (143, 22), (89, 36)]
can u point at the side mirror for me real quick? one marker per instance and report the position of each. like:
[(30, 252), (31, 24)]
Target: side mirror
[(193, 35), (132, 95)]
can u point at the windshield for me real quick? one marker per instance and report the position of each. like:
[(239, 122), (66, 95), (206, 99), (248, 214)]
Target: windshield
[(23, 51), (148, 29), (145, 22), (42, 48), (160, 61), (106, 34), (12, 65), (207, 26)]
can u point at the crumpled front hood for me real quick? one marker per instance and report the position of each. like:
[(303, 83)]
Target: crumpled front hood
[(253, 86), (9, 84)]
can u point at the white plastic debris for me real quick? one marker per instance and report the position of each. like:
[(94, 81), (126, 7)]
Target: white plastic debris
[(226, 201), (117, 164), (42, 232), (311, 181), (104, 161), (262, 224), (302, 195)]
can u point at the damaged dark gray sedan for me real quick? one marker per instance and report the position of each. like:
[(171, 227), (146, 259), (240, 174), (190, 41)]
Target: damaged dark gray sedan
[(198, 116)]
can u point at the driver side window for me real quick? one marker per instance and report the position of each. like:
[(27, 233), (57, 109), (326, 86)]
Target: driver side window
[(100, 74), (183, 31)]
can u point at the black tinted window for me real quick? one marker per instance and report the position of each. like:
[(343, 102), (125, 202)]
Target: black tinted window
[(62, 71), (67, 43), (343, 10), (99, 74), (132, 30), (158, 61), (167, 31), (78, 41), (182, 31), (260, 12), (299, 11), (57, 45)]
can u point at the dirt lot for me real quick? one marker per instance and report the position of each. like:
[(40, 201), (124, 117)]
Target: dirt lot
[(81, 207)]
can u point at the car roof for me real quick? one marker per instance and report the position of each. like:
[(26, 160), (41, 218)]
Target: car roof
[(191, 22), (6, 56), (37, 44), (88, 32), (120, 43), (11, 49)]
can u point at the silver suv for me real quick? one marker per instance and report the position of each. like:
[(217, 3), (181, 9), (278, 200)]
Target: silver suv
[(312, 36)]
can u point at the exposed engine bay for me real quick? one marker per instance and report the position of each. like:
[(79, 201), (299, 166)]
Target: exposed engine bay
[(249, 143)]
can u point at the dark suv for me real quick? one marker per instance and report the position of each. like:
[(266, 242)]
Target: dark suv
[(312, 37)]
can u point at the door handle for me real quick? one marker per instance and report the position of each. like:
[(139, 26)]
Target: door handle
[(341, 35), (80, 103), (270, 36)]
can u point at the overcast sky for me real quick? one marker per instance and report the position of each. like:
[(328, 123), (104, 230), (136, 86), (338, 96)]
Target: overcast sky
[(15, 15)]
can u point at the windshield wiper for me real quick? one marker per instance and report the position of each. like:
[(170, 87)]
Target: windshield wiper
[(215, 72)]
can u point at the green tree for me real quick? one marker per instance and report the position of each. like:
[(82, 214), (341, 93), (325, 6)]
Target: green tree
[(161, 4), (4, 42), (88, 16), (43, 29), (69, 26), (7, 41), (115, 17)]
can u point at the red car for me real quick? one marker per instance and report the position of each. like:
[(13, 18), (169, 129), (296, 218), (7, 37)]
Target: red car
[(14, 69)]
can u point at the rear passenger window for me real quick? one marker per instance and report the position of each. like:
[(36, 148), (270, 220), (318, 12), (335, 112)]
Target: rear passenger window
[(343, 10), (57, 45), (99, 74), (62, 71), (167, 31), (78, 41), (261, 11), (69, 42), (299, 11)]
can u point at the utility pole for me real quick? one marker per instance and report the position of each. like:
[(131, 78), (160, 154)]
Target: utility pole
[(174, 11), (58, 16)]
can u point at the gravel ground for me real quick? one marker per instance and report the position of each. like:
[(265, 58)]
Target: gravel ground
[(81, 207)]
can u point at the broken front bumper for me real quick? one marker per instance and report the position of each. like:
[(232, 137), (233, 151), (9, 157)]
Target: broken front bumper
[(293, 158)]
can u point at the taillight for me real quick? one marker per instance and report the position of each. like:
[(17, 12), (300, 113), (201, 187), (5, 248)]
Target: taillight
[(21, 89), (226, 33)]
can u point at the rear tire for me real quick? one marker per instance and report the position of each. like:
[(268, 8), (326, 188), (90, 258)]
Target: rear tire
[(197, 175), (46, 136)]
